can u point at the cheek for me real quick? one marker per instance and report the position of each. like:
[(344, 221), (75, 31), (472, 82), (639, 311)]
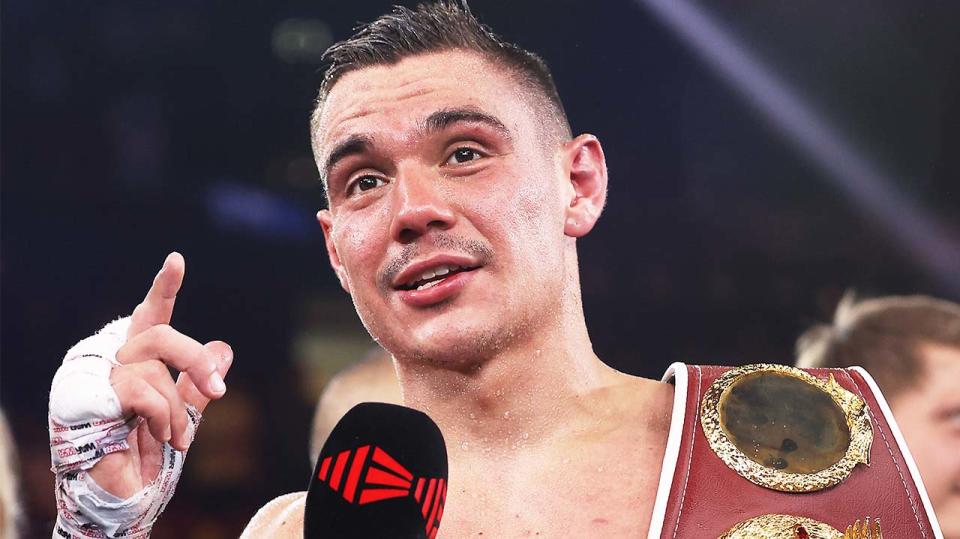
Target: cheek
[(535, 219), (937, 454), (360, 242)]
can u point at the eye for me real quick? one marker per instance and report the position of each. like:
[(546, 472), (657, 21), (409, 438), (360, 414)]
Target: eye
[(365, 183), (463, 155), (953, 418)]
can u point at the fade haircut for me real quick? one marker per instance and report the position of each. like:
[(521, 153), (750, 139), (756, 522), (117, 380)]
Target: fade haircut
[(883, 335), (435, 27)]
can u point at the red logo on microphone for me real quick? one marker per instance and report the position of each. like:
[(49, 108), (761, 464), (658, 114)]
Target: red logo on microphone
[(385, 478)]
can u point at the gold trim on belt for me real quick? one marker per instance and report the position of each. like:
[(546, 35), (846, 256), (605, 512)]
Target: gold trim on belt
[(784, 429)]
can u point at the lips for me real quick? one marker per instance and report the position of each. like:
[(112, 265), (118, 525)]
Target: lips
[(434, 280), (427, 272)]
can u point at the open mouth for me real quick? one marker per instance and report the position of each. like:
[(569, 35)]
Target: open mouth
[(434, 276)]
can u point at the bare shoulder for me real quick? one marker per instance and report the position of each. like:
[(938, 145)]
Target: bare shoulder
[(625, 404), (372, 379), (651, 400), (282, 517)]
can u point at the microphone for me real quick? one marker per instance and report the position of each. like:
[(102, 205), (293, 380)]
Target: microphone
[(381, 474)]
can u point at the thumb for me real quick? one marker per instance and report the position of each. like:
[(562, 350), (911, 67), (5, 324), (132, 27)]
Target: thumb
[(188, 390)]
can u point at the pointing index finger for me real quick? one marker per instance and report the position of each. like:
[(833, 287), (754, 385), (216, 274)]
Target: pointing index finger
[(157, 306)]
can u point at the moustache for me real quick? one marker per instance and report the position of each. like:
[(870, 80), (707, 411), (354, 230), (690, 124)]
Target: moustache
[(440, 241)]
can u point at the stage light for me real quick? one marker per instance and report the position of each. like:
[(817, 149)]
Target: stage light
[(301, 40), (871, 189)]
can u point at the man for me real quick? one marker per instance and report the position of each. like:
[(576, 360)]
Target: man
[(911, 345), (453, 219), (456, 198)]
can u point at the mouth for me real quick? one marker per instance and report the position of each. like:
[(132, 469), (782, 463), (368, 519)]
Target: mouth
[(430, 277)]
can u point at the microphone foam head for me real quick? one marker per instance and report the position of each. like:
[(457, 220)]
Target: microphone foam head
[(381, 473)]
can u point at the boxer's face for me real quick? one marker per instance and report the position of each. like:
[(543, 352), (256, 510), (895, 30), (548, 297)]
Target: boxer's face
[(929, 417), (438, 165)]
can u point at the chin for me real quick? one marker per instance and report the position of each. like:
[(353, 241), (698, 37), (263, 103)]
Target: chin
[(457, 346)]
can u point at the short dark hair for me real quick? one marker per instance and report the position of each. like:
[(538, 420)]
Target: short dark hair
[(882, 335), (434, 27)]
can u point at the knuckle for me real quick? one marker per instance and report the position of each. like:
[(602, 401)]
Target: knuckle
[(155, 406), (125, 354), (201, 364), (163, 331), (156, 370), (158, 338), (118, 375), (134, 389), (179, 415), (157, 426), (163, 406)]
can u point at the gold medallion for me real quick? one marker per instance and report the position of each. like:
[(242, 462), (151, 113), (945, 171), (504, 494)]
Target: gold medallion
[(784, 429), (775, 526), (782, 527)]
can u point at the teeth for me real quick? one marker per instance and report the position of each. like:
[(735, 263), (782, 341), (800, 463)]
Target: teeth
[(425, 286), (436, 272), (442, 270)]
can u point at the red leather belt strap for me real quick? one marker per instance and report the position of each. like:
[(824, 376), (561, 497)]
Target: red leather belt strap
[(706, 498)]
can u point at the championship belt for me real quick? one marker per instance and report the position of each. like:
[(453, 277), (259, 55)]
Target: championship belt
[(769, 451)]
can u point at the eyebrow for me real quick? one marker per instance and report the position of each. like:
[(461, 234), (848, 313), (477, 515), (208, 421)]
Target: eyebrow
[(355, 144), (444, 118), (437, 121)]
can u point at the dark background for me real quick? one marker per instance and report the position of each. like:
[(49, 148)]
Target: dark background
[(130, 129)]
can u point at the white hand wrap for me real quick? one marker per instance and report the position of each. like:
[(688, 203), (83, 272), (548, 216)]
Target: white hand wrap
[(86, 423)]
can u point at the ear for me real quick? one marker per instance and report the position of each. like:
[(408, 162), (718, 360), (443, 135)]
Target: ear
[(325, 218), (586, 169)]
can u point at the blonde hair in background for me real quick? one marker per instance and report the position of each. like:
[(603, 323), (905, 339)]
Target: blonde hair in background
[(882, 335), (9, 493)]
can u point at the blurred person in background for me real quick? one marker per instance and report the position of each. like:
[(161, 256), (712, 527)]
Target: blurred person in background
[(9, 490), (911, 346), (371, 379)]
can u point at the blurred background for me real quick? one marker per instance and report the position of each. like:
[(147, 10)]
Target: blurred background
[(765, 156)]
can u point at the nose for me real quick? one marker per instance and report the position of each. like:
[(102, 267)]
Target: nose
[(419, 205)]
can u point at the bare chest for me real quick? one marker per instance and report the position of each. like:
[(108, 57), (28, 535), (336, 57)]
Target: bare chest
[(594, 491)]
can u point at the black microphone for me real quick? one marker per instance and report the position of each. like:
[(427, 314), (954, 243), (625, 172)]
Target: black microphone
[(381, 474)]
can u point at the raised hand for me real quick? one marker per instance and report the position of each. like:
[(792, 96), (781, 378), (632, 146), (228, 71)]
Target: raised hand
[(119, 423), (144, 386)]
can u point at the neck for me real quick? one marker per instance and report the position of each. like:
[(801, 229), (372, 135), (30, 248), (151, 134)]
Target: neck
[(513, 399)]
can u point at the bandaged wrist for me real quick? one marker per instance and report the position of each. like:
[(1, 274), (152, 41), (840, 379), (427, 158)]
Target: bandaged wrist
[(87, 423), (84, 509)]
